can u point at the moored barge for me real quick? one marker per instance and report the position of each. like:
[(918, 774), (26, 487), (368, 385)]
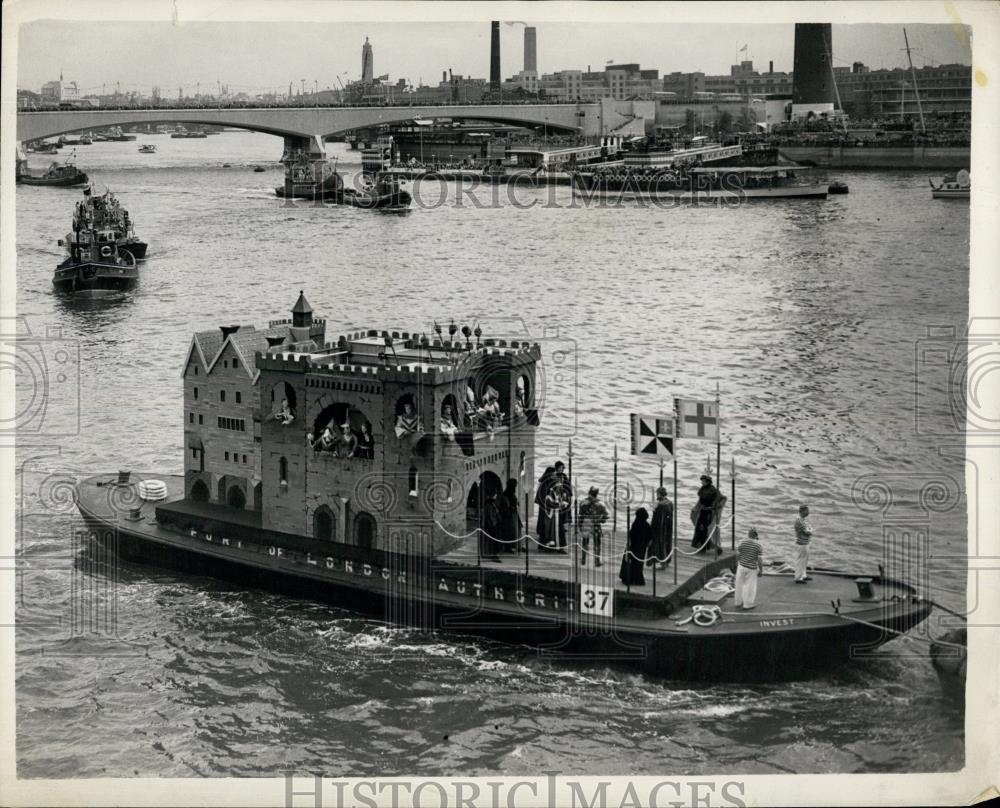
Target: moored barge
[(361, 471)]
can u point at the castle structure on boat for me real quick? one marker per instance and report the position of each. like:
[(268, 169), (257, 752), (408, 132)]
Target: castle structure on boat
[(370, 440)]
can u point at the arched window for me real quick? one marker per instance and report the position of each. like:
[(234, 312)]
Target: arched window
[(407, 416), (364, 530), (199, 491), (283, 470), (324, 527), (236, 498)]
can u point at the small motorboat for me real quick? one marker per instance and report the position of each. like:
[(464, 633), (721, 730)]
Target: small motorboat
[(147, 148), (259, 169), (954, 186), (838, 187)]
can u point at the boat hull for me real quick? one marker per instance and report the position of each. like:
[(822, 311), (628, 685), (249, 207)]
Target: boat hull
[(348, 196), (699, 195), (413, 590), (136, 247), (950, 194), (54, 182), (94, 278)]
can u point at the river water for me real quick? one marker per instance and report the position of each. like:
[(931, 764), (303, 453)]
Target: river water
[(811, 316)]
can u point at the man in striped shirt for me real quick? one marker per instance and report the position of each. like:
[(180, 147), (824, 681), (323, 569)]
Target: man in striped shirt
[(749, 567), (803, 533)]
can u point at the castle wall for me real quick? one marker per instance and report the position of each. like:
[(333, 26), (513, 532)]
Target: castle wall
[(219, 418), (413, 492)]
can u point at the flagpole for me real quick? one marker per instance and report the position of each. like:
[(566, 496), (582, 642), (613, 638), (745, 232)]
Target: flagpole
[(527, 535), (614, 500), (628, 560), (718, 456), (677, 428), (733, 519)]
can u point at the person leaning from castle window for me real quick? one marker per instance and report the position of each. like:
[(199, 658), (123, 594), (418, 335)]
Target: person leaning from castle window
[(326, 442), (491, 406), (448, 428), (284, 414), (366, 443), (407, 422), (348, 443)]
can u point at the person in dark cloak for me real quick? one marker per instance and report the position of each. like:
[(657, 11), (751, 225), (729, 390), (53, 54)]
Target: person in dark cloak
[(491, 528), (542, 522), (639, 537), (704, 513), (510, 519), (663, 530)]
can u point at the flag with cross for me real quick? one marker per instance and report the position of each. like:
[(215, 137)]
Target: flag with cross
[(652, 435), (697, 419)]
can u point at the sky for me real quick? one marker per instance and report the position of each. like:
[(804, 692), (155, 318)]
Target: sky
[(260, 56)]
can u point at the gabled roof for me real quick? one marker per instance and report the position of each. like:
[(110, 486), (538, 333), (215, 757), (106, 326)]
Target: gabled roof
[(246, 343)]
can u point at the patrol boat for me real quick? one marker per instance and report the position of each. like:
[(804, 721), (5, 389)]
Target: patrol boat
[(104, 212), (95, 265), (353, 471)]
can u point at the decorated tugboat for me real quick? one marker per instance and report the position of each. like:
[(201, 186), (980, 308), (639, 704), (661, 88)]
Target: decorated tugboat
[(390, 472), (308, 178), (697, 173), (954, 186), (96, 265), (104, 212), (58, 175)]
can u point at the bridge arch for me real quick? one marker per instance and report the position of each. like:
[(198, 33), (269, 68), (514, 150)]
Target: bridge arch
[(591, 118)]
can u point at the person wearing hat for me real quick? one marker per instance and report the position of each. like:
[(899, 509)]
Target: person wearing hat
[(703, 514), (593, 514), (749, 567), (348, 441), (663, 530)]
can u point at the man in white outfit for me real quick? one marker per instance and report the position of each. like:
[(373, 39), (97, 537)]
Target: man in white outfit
[(803, 534), (749, 567)]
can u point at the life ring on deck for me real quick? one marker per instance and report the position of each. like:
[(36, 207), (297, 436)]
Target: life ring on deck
[(706, 615), (105, 252)]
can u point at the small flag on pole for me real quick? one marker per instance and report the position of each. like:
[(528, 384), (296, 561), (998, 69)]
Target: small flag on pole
[(744, 48), (652, 435), (697, 419)]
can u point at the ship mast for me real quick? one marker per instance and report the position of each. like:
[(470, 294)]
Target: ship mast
[(833, 78), (916, 91)]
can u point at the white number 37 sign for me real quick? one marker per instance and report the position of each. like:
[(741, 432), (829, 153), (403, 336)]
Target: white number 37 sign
[(597, 600)]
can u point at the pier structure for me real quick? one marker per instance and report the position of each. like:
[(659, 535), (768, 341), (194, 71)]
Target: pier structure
[(365, 441)]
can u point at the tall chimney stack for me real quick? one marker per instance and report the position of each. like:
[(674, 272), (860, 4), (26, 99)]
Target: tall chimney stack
[(530, 50), (495, 56), (770, 66)]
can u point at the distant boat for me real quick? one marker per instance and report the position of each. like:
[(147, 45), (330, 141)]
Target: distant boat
[(58, 175), (838, 187), (259, 169), (86, 141), (147, 148), (956, 186), (116, 133)]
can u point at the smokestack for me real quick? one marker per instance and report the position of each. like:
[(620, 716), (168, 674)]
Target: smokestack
[(444, 75), (495, 56), (770, 66), (812, 83), (530, 50)]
